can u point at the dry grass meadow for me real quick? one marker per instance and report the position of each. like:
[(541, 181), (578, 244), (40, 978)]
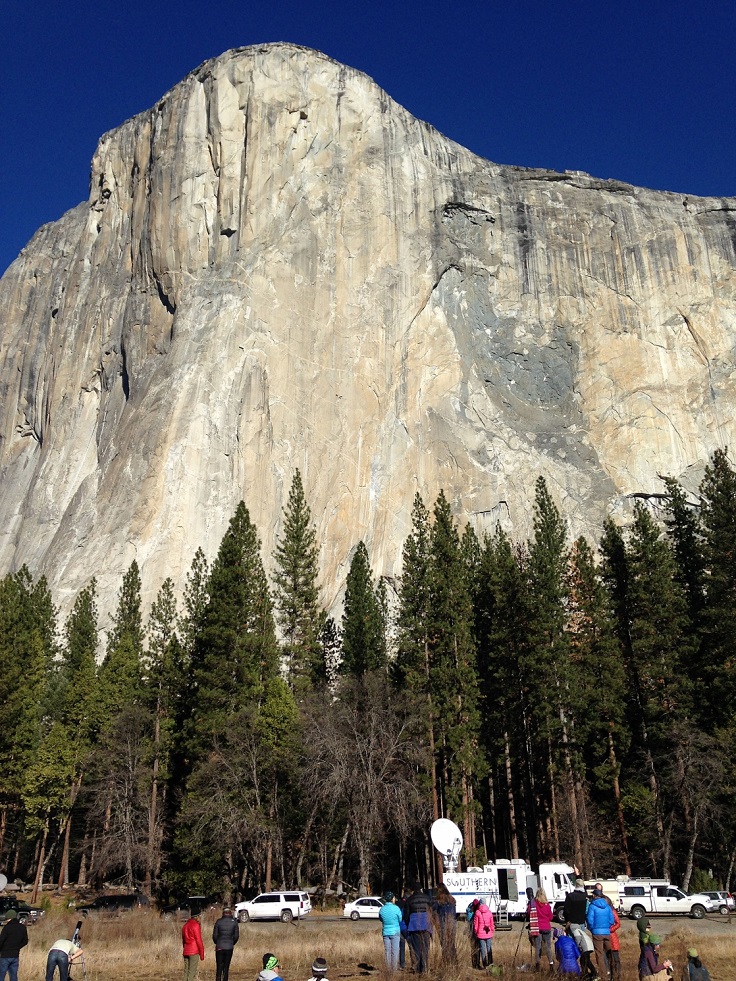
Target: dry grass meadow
[(144, 946)]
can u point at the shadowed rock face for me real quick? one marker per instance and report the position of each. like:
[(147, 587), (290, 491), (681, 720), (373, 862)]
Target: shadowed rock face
[(278, 268)]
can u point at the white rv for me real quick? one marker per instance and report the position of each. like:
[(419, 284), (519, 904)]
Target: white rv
[(502, 885)]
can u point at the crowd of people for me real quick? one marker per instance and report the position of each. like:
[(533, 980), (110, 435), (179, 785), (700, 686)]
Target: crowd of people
[(588, 948)]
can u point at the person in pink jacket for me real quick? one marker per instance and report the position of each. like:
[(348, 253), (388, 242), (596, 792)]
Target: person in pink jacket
[(193, 947), (544, 924), (483, 929)]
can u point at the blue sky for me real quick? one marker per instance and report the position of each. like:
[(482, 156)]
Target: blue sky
[(638, 90)]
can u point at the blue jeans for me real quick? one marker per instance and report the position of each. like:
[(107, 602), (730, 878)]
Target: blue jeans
[(9, 966), (390, 945), (57, 958), (486, 952)]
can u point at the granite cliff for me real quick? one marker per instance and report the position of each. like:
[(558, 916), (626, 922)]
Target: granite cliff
[(278, 267)]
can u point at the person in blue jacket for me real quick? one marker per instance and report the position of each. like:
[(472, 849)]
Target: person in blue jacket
[(418, 924), (599, 919), (391, 918), (567, 954)]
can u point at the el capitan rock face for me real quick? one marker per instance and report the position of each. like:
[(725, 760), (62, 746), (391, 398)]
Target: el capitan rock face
[(279, 268)]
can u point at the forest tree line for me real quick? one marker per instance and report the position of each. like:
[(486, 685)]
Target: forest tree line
[(558, 700)]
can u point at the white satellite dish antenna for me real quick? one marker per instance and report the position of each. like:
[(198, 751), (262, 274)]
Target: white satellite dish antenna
[(448, 840), (3, 881)]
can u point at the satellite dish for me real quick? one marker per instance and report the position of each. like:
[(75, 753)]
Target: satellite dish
[(448, 840), (3, 881)]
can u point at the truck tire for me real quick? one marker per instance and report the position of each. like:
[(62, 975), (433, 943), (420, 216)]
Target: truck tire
[(637, 912), (559, 915), (698, 911), (286, 916), (723, 910), (243, 916)]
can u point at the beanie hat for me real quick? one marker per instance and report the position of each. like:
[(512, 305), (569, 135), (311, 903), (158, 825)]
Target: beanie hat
[(642, 924), (580, 882), (270, 961), (598, 893), (692, 953), (388, 896), (319, 966), (11, 914)]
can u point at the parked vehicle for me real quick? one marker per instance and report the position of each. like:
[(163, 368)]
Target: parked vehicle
[(367, 907), (26, 913), (502, 885), (185, 907), (640, 897), (283, 906), (723, 900), (114, 904)]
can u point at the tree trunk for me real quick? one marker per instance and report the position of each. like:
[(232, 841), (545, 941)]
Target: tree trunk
[(38, 880), (151, 848), (513, 836), (615, 769), (690, 854)]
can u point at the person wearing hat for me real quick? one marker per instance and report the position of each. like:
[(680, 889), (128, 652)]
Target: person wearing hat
[(319, 969), (643, 926), (391, 919), (649, 963), (483, 928), (225, 934), (418, 923), (271, 968), (192, 945), (567, 953), (13, 937), (694, 970)]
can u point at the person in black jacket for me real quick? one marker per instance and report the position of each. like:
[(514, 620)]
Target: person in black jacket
[(418, 920), (576, 906), (225, 934), (13, 937)]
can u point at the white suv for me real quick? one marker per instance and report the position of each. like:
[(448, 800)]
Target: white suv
[(284, 906)]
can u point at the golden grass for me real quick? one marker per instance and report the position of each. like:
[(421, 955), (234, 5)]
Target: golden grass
[(143, 946)]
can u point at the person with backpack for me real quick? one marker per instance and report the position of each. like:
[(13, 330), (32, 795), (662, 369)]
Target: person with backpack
[(694, 970), (483, 928), (418, 922)]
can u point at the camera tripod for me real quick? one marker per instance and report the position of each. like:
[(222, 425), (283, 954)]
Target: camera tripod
[(80, 960)]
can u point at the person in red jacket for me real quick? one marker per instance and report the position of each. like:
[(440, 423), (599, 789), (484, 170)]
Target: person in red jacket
[(614, 956), (193, 947), (544, 928)]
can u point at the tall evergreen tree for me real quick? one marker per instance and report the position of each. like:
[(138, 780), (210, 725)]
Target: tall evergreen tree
[(718, 519), (121, 672), (299, 614), (363, 633), (453, 673), (235, 652)]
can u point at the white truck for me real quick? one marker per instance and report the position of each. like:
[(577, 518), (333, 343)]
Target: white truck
[(640, 897), (502, 885)]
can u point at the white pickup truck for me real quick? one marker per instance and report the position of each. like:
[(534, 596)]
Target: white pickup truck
[(640, 897)]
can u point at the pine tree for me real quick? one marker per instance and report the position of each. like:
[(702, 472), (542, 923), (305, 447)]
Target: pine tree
[(120, 674), (718, 520), (453, 677), (363, 636), (299, 614), (235, 652), (546, 672)]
